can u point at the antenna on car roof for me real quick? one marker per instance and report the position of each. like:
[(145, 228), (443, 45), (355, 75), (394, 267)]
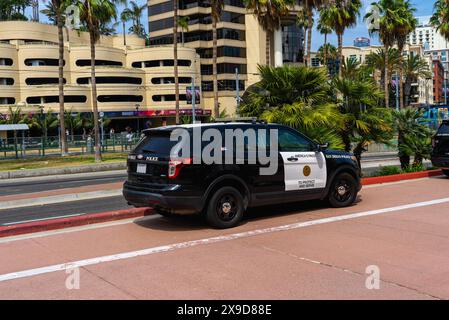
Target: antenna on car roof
[(240, 119)]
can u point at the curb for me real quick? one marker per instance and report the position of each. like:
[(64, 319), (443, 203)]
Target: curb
[(62, 170), (401, 176), (60, 223)]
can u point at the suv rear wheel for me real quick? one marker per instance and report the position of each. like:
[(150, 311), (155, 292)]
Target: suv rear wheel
[(225, 208), (343, 190), (446, 172)]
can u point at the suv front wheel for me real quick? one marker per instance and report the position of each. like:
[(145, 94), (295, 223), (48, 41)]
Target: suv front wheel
[(225, 208), (343, 190)]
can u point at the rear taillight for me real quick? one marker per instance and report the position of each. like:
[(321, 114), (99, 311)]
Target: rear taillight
[(175, 166)]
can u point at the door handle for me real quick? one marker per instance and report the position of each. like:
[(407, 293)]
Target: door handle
[(292, 159)]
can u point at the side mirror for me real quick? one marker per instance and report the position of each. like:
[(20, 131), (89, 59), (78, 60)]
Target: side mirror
[(322, 147)]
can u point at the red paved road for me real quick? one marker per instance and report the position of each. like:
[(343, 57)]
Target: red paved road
[(326, 260)]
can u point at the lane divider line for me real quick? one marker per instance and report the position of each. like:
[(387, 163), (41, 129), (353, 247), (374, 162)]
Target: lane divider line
[(194, 243)]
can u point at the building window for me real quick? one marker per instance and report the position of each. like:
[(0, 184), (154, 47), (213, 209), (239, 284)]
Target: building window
[(226, 51), (86, 63), (120, 98), (115, 80), (160, 24), (55, 99), (170, 80), (223, 85), (167, 97), (206, 69), (42, 81), (40, 62), (161, 63), (7, 100), (6, 81), (5, 62)]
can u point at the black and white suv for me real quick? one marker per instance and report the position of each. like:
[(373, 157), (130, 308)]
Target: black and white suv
[(440, 150), (300, 169)]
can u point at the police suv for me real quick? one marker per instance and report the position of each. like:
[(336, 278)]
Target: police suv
[(220, 169), (440, 150)]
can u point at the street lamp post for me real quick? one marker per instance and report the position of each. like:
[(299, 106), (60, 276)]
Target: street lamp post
[(397, 90), (43, 126), (137, 114)]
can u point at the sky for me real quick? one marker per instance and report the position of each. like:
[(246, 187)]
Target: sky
[(423, 8)]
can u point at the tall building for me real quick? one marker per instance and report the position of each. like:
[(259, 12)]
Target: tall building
[(362, 42), (427, 35), (242, 44), (133, 81), (438, 81)]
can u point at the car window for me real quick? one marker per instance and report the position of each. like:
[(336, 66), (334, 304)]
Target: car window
[(444, 129), (289, 141)]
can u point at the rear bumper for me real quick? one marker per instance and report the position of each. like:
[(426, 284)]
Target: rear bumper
[(166, 200), (440, 162)]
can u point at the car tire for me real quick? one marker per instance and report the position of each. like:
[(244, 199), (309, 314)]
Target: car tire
[(446, 172), (343, 190), (225, 208)]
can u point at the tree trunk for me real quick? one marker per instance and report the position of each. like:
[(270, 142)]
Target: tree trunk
[(63, 136), (93, 84), (214, 67), (386, 81), (124, 33), (309, 34), (325, 50), (340, 52), (175, 57), (401, 88)]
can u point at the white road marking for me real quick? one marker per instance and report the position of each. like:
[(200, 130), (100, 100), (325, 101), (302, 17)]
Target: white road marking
[(194, 243), (41, 219)]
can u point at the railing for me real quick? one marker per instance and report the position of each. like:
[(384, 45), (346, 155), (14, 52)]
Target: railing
[(24, 147)]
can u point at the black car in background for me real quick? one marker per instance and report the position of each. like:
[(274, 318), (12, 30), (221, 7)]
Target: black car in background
[(222, 192), (440, 150)]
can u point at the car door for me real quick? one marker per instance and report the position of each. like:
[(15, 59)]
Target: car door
[(304, 167)]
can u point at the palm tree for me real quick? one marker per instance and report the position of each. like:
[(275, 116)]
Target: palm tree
[(175, 57), (414, 67), (327, 52), (324, 28), (125, 16), (350, 68), (310, 5), (440, 17), (341, 14), (216, 10), (183, 22), (363, 121), (270, 14), (409, 23), (59, 6), (377, 62), (135, 13), (297, 96), (390, 20), (94, 14)]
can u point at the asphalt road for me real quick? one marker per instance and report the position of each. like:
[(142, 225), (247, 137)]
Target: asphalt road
[(391, 244), (19, 186), (60, 210)]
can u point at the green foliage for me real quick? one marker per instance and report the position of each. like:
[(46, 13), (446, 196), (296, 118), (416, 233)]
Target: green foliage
[(440, 17), (13, 9), (389, 170)]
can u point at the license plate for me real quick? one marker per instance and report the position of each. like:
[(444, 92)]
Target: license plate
[(141, 168)]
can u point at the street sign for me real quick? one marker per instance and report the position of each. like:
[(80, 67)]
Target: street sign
[(189, 95)]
